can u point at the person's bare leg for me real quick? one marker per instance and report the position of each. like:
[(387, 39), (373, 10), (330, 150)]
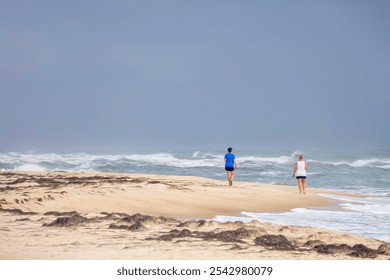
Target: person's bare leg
[(231, 178), (304, 185), (300, 185), (228, 176)]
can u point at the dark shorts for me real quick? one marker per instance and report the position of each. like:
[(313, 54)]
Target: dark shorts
[(229, 168), (301, 177)]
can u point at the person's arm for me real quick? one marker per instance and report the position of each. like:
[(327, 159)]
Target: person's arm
[(235, 163), (295, 169), (306, 166)]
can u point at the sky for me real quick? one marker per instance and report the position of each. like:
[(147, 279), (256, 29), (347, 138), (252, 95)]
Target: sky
[(169, 74)]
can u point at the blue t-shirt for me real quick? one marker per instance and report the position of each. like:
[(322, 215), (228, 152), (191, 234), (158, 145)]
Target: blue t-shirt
[(229, 160)]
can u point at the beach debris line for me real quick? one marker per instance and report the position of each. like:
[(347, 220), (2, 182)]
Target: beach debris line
[(250, 234), (358, 250), (237, 235)]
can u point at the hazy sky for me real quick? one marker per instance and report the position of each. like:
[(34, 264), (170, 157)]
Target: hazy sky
[(108, 75)]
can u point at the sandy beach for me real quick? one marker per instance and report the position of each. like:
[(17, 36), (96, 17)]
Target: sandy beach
[(63, 215)]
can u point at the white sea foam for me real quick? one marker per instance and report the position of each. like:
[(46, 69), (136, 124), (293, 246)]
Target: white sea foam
[(198, 159), (270, 173), (277, 160), (374, 162), (384, 166), (170, 160), (345, 198), (89, 162), (280, 160), (369, 162), (334, 163), (30, 167), (199, 154), (379, 209)]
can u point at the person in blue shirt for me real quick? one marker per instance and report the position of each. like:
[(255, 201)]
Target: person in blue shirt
[(230, 165)]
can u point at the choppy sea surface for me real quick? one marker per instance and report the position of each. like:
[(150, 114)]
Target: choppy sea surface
[(363, 172)]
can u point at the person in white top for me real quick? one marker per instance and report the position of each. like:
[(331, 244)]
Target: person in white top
[(300, 173)]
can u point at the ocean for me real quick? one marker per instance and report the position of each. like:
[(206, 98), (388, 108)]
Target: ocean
[(363, 172)]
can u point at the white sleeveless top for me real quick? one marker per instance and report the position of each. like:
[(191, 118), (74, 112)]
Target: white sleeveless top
[(301, 171)]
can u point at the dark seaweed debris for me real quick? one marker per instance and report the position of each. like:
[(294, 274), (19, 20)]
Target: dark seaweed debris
[(72, 221), (358, 250), (274, 242)]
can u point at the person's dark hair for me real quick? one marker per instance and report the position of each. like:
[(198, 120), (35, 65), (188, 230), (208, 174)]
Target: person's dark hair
[(230, 150)]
